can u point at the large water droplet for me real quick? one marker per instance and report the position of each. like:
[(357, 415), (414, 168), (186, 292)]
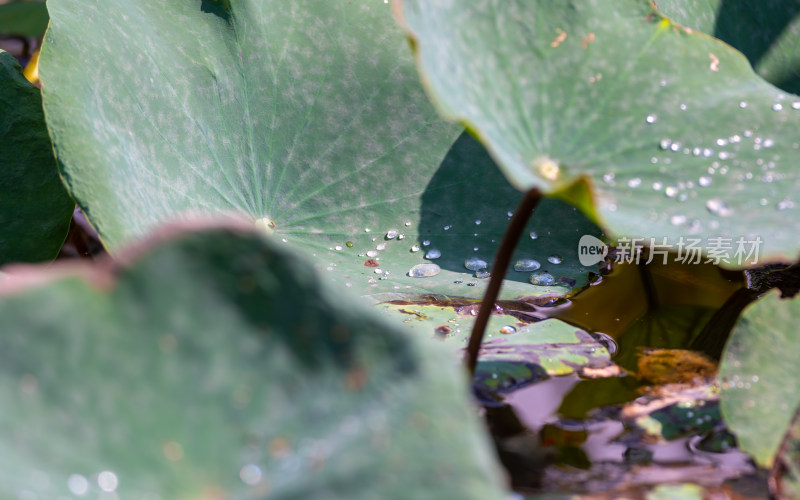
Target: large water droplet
[(651, 118), (671, 192), (380, 246), (526, 265), (372, 253), (704, 181), (433, 254), (475, 264), (107, 481), (718, 207), (508, 329), (424, 270), (777, 106), (542, 278), (742, 104), (555, 259), (392, 234)]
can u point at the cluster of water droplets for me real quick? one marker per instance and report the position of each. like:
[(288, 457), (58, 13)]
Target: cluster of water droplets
[(730, 156)]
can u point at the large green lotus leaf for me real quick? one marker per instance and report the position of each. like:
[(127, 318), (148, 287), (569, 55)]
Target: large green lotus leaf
[(677, 134), (307, 114), (766, 32), (216, 364), (35, 209), (759, 376)]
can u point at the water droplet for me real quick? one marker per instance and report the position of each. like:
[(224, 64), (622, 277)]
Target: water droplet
[(675, 147), (542, 278), (724, 155), (677, 220), (483, 274), (526, 265), (664, 144), (555, 259), (533, 235), (742, 104), (657, 186), (408, 223), (472, 283), (107, 481), (796, 105), (785, 205), (378, 270), (433, 254), (415, 248), (704, 181), (478, 222), (635, 182), (372, 253), (424, 270), (683, 107), (777, 106), (768, 143), (510, 213), (475, 264), (650, 119), (717, 207), (447, 228), (391, 234), (508, 330), (78, 484), (401, 236), (380, 246), (349, 244), (366, 229), (426, 243), (250, 474), (607, 341), (671, 191), (707, 152), (338, 248)]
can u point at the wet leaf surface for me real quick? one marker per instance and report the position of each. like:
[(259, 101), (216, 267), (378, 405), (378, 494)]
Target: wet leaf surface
[(615, 92), (34, 206), (309, 121), (184, 372)]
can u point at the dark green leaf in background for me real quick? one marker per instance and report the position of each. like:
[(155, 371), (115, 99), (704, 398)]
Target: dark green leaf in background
[(34, 206), (219, 365), (766, 32), (23, 18)]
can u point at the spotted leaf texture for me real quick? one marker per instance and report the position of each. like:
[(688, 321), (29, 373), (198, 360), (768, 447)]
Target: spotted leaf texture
[(35, 209), (184, 371), (305, 115), (678, 135)]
